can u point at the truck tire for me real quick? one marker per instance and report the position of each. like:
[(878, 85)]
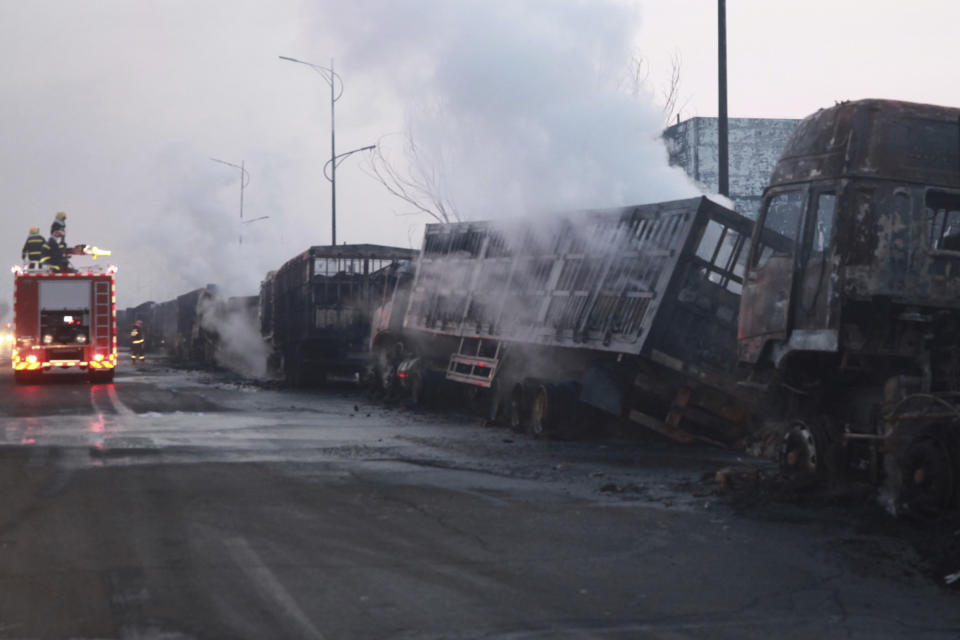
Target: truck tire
[(516, 410), (553, 411), (543, 411), (928, 474), (418, 388), (810, 454)]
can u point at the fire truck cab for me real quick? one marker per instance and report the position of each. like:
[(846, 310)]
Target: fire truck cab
[(64, 321)]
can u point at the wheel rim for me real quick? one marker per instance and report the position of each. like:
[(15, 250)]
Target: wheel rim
[(799, 457), (927, 478), (538, 413)]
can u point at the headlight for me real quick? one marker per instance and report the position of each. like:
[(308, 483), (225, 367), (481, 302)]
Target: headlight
[(81, 338), (47, 339)]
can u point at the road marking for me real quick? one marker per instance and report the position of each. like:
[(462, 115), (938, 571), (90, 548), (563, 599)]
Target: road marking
[(118, 405), (269, 586)]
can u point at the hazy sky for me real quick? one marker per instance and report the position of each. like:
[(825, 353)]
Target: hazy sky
[(112, 109)]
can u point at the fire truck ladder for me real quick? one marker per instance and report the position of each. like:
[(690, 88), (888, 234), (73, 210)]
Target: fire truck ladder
[(475, 361), (101, 326)]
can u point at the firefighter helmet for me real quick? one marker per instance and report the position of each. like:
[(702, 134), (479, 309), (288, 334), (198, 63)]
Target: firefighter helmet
[(61, 215), (34, 229)]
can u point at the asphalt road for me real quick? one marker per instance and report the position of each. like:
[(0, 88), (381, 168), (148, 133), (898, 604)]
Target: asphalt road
[(178, 504)]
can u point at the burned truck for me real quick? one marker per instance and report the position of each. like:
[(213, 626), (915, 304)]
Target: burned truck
[(316, 310), (176, 327), (851, 307), (629, 311)]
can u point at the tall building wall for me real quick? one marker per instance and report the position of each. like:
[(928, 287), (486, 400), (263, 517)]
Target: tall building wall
[(755, 145)]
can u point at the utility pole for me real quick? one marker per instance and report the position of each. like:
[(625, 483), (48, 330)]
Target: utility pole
[(333, 169), (723, 177)]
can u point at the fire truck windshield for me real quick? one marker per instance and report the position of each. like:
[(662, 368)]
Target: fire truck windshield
[(64, 327)]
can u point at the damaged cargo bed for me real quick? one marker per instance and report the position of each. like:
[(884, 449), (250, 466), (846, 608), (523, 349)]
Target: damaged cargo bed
[(628, 311)]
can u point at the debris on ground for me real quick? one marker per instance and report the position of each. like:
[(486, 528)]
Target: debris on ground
[(767, 441), (612, 487), (737, 477)]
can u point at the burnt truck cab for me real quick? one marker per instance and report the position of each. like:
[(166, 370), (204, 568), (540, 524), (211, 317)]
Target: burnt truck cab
[(851, 300), (859, 231)]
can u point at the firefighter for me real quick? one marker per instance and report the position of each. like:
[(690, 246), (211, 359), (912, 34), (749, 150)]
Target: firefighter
[(136, 342), (59, 224), (33, 250), (56, 253)]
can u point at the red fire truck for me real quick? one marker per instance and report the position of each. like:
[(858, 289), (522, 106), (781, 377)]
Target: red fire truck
[(64, 321)]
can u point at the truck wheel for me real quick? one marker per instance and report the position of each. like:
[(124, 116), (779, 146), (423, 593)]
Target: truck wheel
[(516, 414), (101, 377), (418, 388), (928, 475), (808, 456), (542, 411), (802, 456)]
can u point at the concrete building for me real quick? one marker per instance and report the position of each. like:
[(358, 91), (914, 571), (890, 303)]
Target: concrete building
[(755, 145)]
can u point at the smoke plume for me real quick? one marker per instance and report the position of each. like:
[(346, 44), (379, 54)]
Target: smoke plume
[(239, 346), (521, 106)]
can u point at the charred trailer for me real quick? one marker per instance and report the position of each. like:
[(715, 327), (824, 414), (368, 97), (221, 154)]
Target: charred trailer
[(316, 310), (162, 327), (629, 311), (851, 307), (193, 341)]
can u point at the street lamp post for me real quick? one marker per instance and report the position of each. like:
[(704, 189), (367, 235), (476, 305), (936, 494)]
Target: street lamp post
[(244, 179), (335, 161), (336, 82), (333, 79)]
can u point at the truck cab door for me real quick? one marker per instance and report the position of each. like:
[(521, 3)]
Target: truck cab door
[(812, 291), (768, 287)]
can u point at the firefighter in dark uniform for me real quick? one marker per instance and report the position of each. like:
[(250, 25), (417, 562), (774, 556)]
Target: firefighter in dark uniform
[(33, 250), (59, 224), (56, 253), (136, 342)]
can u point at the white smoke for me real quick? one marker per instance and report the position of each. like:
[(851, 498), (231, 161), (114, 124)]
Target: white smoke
[(239, 347), (522, 104)]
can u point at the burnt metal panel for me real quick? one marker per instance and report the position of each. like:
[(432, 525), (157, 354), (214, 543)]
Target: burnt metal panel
[(901, 141), (624, 280)]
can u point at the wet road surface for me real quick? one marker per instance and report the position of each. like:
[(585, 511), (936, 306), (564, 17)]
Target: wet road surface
[(177, 504)]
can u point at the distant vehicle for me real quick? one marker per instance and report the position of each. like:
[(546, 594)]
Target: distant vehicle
[(6, 339), (316, 310), (64, 321), (176, 326)]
